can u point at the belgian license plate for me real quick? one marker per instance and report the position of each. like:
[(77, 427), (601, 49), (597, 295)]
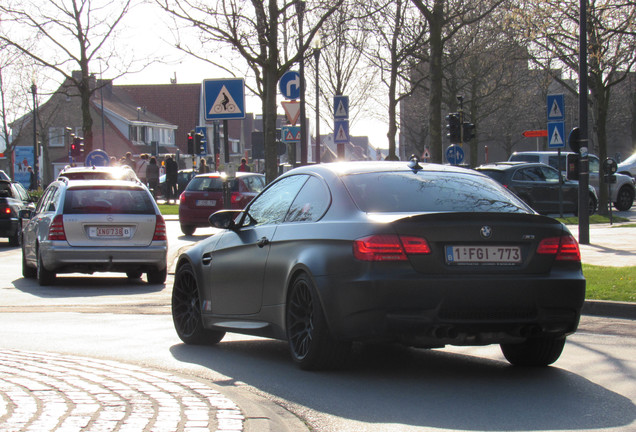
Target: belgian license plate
[(110, 231), (206, 203), (483, 254)]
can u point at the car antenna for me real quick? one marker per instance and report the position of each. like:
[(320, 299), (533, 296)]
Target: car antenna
[(414, 163)]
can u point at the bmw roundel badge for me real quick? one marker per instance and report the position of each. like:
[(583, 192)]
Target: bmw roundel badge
[(486, 231)]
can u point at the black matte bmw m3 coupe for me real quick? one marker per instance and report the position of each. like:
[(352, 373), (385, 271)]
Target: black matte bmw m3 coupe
[(420, 254)]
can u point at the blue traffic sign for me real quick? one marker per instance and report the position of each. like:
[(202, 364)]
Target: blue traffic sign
[(556, 135), (97, 158), (224, 98), (289, 85), (290, 133), (340, 107), (341, 131), (555, 107), (454, 154)]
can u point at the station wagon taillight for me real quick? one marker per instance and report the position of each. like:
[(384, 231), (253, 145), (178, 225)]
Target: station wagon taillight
[(160, 229), (56, 229), (565, 247), (389, 247)]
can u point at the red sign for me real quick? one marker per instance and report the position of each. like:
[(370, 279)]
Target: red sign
[(536, 133)]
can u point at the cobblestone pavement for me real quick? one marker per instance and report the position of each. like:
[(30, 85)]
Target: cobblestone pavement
[(51, 392)]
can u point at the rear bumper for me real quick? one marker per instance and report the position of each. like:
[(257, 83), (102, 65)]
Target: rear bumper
[(461, 311), (9, 227), (196, 217), (66, 259)]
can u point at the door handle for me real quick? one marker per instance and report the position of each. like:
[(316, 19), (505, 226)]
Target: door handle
[(206, 258), (264, 241)]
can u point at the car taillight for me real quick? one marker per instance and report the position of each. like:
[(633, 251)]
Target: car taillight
[(6, 210), (235, 197), (389, 247), (565, 247), (182, 198), (160, 229), (56, 229)]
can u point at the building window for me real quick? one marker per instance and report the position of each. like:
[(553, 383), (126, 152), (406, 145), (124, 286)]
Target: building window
[(56, 137)]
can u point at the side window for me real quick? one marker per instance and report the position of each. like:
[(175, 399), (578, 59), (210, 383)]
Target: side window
[(22, 193), (594, 165), (551, 176), (271, 206), (45, 200), (54, 202), (529, 174), (311, 203)]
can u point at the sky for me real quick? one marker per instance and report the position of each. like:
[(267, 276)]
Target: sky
[(150, 36)]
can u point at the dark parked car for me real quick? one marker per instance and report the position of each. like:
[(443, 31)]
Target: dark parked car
[(205, 194), (13, 199), (87, 226), (538, 185), (430, 255)]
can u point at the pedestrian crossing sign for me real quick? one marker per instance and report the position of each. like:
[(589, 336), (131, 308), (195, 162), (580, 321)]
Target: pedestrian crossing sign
[(556, 135)]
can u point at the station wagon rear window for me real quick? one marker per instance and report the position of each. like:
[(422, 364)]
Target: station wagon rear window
[(107, 200)]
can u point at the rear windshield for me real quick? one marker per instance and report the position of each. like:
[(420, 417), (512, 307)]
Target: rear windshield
[(494, 174), (214, 184), (397, 192), (108, 200)]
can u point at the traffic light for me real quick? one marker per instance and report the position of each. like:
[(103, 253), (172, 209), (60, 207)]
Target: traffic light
[(452, 128), (190, 143), (469, 131), (76, 147), (572, 166), (198, 143)]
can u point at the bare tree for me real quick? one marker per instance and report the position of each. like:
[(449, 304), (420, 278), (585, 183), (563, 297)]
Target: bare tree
[(396, 35), (70, 34), (256, 35), (550, 28), (445, 18)]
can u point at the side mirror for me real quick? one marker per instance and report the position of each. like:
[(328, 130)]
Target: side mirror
[(224, 219), (25, 214)]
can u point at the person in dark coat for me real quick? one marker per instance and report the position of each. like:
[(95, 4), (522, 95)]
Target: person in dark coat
[(172, 173), (152, 175)]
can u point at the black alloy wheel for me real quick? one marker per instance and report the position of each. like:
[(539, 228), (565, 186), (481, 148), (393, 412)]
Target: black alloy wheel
[(186, 310), (311, 344)]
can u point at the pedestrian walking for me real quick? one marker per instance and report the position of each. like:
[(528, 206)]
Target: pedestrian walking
[(244, 166), (128, 160), (203, 166), (141, 166)]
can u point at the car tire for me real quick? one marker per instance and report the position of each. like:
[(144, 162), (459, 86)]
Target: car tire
[(157, 276), (624, 198), (535, 352), (186, 310), (27, 271), (133, 274), (311, 344), (592, 205), (188, 229), (45, 277), (14, 240)]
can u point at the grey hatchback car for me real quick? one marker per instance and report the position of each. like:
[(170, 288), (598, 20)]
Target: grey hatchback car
[(88, 226)]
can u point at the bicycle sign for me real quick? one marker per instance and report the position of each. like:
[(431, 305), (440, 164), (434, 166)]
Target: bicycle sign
[(224, 99)]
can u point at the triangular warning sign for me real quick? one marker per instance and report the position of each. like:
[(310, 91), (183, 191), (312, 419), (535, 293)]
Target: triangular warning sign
[(342, 134), (555, 111), (341, 111), (289, 136), (224, 104), (556, 139), (292, 110)]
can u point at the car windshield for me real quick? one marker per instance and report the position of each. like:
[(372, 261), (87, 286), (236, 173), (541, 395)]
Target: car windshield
[(430, 191), (107, 200), (630, 159)]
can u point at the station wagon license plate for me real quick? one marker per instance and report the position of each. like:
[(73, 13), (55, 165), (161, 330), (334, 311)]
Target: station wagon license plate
[(483, 254), (206, 203), (119, 232)]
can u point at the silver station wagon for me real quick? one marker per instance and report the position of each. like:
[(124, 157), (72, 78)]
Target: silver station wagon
[(87, 226)]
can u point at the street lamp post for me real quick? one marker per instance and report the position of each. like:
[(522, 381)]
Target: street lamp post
[(34, 90), (300, 9), (317, 48)]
